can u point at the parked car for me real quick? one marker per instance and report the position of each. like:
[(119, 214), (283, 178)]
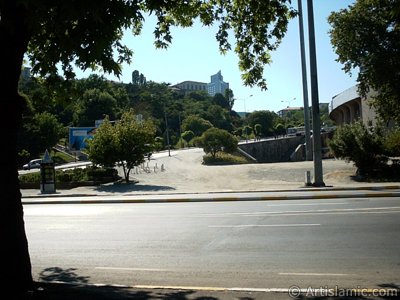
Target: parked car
[(33, 164)]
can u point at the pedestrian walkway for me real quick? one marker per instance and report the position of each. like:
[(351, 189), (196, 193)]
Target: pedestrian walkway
[(183, 172)]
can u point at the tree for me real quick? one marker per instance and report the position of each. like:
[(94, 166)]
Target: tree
[(94, 105), (257, 130), (60, 34), (126, 143), (221, 100), (366, 35), (361, 145), (196, 124), (41, 132), (263, 117), (215, 140), (230, 97), (188, 136)]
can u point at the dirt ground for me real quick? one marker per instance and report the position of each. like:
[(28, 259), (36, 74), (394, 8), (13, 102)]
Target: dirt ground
[(183, 171)]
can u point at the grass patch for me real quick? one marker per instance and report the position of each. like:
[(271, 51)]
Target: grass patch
[(61, 158), (222, 158)]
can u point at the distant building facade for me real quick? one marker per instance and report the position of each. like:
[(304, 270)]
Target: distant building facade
[(283, 112), (348, 107), (190, 86), (217, 85)]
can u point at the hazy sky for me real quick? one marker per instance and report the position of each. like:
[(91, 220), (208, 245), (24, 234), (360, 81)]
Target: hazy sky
[(194, 55)]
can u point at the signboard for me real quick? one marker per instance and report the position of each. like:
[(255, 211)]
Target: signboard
[(98, 122), (78, 137)]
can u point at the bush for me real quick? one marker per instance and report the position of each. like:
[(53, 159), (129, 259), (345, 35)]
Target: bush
[(392, 143), (361, 145), (91, 173), (217, 140), (222, 158), (30, 177)]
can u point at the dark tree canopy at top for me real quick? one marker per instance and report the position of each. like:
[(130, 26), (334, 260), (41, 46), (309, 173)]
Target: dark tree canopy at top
[(88, 33)]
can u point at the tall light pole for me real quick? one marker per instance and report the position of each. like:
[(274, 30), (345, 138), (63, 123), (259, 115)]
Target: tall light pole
[(167, 131), (305, 84), (288, 102), (318, 174), (245, 111)]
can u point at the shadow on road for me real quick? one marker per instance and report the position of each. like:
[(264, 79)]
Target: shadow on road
[(132, 187), (63, 275), (57, 291)]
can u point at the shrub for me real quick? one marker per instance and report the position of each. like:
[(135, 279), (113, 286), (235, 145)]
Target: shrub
[(30, 177), (222, 158), (392, 143), (216, 140), (188, 136), (361, 145), (91, 173)]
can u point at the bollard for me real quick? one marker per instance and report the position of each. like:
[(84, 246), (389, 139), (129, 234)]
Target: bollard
[(307, 178)]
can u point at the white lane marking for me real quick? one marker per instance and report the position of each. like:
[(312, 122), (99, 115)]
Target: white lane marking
[(328, 213), (309, 204), (132, 269), (315, 274), (261, 225), (316, 211)]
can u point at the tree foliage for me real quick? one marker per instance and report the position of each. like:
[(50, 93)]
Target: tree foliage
[(40, 132), (361, 145), (126, 143), (66, 33), (263, 117), (216, 140), (196, 124), (366, 35)]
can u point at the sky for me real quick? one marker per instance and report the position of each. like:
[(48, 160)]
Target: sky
[(194, 55)]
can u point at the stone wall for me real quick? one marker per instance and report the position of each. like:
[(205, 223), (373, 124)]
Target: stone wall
[(274, 150)]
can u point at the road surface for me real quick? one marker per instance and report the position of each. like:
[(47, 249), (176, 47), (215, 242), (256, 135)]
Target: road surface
[(350, 243)]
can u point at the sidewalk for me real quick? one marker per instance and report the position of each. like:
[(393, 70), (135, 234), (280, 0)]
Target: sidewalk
[(182, 173)]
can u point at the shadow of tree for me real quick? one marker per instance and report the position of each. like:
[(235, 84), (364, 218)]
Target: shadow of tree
[(63, 275), (132, 187)]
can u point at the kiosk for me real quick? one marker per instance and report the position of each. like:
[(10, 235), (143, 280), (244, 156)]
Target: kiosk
[(47, 175)]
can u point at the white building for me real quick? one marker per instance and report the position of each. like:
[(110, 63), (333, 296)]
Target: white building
[(217, 85)]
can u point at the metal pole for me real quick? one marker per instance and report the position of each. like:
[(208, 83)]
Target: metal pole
[(166, 128), (318, 174), (305, 84)]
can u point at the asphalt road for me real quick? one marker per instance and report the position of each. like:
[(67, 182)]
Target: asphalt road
[(349, 243)]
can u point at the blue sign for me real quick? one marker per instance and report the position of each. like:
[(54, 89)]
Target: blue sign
[(78, 137)]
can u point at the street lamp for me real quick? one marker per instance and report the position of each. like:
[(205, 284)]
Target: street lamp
[(288, 102), (245, 112), (167, 131)]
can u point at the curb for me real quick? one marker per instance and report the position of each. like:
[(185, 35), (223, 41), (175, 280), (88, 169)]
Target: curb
[(106, 199), (293, 291), (300, 189)]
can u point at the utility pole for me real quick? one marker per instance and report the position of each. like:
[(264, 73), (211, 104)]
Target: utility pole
[(318, 174), (305, 84), (167, 131)]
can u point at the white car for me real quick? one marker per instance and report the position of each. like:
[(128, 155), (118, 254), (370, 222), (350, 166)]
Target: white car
[(33, 164)]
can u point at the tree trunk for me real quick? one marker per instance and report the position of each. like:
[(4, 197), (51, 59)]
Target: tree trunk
[(15, 260)]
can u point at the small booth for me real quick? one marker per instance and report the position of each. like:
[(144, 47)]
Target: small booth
[(47, 175)]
